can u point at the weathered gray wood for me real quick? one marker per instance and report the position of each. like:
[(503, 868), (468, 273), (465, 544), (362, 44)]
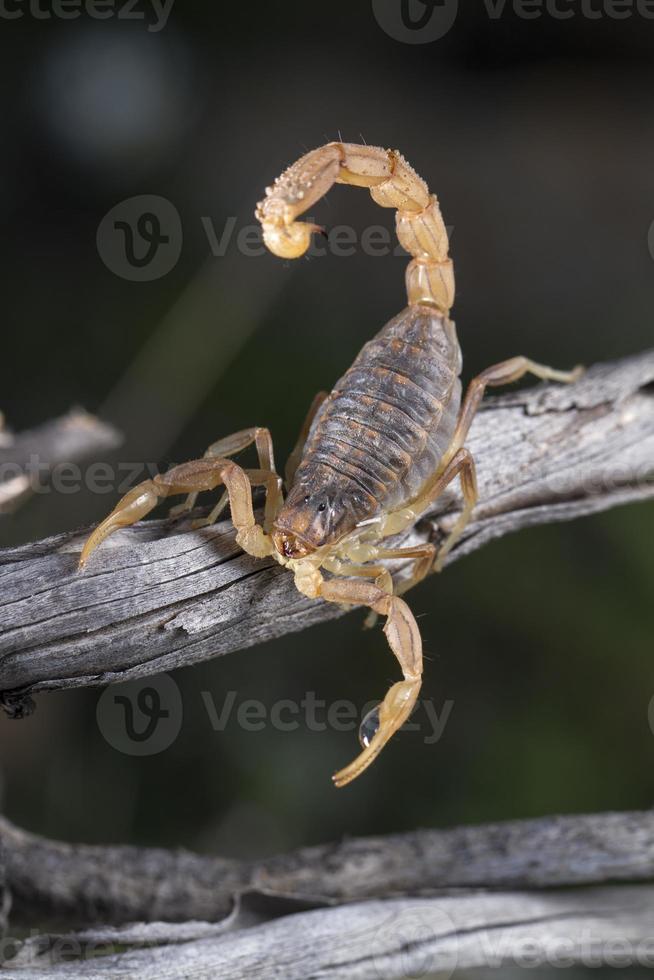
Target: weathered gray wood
[(64, 440), (81, 884), (416, 904), (158, 596), (383, 940)]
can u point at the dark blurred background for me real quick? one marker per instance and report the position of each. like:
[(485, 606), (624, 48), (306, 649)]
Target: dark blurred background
[(537, 136)]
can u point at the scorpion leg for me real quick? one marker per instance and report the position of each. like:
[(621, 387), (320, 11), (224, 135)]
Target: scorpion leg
[(194, 477), (462, 465), (501, 374), (229, 446), (457, 460), (404, 640), (382, 577), (424, 558), (296, 455)]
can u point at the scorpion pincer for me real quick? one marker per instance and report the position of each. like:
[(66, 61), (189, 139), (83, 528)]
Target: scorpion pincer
[(376, 451)]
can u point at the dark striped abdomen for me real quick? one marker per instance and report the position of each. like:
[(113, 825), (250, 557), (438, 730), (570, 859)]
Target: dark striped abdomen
[(389, 419)]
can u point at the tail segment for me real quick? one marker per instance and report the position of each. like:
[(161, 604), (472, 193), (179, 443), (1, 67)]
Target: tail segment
[(393, 183)]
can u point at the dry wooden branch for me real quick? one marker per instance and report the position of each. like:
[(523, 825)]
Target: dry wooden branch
[(83, 884), (28, 456), (381, 940), (380, 907), (154, 598)]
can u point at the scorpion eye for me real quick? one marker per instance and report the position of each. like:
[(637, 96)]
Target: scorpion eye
[(322, 506), (369, 727), (307, 499)]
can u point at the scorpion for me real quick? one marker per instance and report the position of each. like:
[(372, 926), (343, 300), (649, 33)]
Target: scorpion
[(373, 453)]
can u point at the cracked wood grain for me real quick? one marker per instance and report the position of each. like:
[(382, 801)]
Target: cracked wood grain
[(159, 596), (383, 940), (84, 884), (525, 893)]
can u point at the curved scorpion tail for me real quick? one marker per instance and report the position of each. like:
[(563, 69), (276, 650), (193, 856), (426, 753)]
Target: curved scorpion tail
[(393, 183)]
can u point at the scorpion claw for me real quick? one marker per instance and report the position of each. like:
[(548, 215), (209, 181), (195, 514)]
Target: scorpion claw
[(379, 726)]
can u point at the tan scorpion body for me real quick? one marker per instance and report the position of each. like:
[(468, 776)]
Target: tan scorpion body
[(376, 451)]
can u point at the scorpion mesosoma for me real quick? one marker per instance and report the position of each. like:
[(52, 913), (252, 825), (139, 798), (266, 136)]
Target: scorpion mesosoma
[(373, 453)]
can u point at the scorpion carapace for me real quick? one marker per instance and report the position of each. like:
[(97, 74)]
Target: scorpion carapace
[(375, 452)]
